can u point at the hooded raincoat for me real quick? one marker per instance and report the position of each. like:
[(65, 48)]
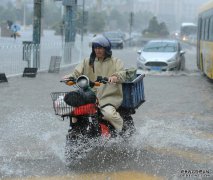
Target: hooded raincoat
[(108, 93)]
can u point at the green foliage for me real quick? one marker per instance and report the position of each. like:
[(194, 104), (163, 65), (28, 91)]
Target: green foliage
[(10, 12), (163, 29), (7, 13), (51, 14), (141, 19), (153, 26), (115, 19), (155, 29), (97, 22)]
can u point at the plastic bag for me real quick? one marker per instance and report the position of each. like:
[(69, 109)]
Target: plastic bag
[(131, 74), (61, 107)]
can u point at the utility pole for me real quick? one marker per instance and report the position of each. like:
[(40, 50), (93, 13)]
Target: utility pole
[(24, 15), (70, 11), (130, 26), (83, 21), (82, 29), (38, 4), (37, 21), (70, 28)]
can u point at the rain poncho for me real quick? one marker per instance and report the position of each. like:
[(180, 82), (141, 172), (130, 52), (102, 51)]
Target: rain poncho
[(107, 93)]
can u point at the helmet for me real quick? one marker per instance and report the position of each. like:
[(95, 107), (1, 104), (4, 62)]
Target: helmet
[(101, 41)]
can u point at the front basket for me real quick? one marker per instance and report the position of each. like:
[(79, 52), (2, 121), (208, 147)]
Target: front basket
[(60, 107)]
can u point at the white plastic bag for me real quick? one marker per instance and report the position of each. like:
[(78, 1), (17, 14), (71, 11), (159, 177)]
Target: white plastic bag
[(61, 107)]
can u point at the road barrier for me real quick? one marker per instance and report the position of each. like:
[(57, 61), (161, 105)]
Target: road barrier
[(3, 78), (55, 62), (30, 72)]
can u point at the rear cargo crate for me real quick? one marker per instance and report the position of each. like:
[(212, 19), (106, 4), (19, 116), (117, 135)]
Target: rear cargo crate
[(133, 93)]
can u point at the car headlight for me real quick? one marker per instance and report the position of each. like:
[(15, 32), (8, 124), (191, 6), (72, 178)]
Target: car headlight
[(171, 60), (142, 59)]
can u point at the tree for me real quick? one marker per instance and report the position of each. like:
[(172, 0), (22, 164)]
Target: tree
[(11, 13), (141, 20), (156, 29), (153, 25), (163, 29)]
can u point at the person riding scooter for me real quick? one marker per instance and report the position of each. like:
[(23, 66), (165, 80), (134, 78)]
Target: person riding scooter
[(102, 63)]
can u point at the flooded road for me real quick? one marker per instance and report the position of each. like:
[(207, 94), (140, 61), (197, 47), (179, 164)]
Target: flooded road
[(174, 137)]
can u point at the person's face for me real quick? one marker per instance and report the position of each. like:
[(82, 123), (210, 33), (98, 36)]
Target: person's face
[(99, 52)]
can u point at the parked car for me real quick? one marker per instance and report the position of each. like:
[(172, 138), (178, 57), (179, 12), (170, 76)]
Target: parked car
[(161, 55), (116, 39)]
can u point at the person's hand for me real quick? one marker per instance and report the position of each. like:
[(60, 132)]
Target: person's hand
[(113, 79), (66, 77)]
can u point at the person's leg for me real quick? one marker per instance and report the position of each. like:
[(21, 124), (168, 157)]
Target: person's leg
[(111, 115)]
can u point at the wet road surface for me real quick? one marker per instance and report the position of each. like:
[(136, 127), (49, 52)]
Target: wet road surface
[(174, 138)]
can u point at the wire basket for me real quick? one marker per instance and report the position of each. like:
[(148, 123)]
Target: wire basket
[(63, 109), (60, 107)]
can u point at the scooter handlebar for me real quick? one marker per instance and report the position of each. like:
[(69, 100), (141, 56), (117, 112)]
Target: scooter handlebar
[(72, 81), (69, 81), (101, 79)]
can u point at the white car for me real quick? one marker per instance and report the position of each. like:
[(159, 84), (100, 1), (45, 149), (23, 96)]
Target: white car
[(161, 55)]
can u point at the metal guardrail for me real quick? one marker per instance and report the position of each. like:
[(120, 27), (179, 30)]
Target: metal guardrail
[(14, 57)]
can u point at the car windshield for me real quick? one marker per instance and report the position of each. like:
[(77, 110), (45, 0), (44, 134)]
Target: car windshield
[(112, 35), (160, 47)]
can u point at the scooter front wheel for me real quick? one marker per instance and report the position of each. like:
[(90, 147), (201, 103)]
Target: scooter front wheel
[(76, 148)]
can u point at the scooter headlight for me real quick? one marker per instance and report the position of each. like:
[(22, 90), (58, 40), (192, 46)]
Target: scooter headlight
[(82, 82)]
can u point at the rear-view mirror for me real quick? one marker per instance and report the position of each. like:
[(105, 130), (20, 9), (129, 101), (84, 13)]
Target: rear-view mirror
[(139, 51), (182, 52)]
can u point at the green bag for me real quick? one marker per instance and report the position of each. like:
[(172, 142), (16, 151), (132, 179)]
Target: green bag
[(131, 74)]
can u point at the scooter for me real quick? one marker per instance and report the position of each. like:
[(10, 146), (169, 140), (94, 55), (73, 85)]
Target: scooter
[(86, 121)]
